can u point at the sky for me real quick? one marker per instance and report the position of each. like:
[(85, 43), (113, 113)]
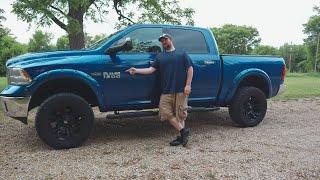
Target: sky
[(278, 21)]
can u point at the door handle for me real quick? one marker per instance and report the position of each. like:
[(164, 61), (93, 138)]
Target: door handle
[(151, 62), (209, 62)]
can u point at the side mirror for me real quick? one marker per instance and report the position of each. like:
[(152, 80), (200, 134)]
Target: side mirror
[(125, 45)]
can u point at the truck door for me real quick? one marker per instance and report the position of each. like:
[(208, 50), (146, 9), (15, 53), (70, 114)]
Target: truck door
[(206, 79), (123, 90)]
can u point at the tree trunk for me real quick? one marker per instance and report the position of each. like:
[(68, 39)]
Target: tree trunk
[(76, 34), (76, 40)]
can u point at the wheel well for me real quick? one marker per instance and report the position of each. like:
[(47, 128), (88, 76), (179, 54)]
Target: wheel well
[(256, 81), (70, 85)]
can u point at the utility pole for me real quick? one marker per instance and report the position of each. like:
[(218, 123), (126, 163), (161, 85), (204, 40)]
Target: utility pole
[(315, 62), (290, 56)]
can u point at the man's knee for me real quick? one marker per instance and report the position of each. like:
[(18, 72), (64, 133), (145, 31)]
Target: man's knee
[(165, 107)]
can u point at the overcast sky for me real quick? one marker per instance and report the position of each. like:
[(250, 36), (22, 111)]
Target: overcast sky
[(278, 21)]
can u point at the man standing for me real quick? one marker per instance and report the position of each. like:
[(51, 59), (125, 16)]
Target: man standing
[(176, 74)]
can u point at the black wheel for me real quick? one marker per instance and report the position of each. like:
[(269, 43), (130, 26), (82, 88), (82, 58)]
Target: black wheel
[(248, 107), (64, 120)]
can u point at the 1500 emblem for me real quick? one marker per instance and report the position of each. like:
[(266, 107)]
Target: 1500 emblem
[(111, 75)]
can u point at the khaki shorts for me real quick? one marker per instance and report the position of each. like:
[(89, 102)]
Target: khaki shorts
[(173, 105)]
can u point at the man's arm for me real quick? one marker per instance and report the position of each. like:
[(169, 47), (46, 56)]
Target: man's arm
[(187, 89), (133, 70)]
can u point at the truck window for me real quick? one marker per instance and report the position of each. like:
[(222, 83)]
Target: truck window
[(191, 41), (144, 40)]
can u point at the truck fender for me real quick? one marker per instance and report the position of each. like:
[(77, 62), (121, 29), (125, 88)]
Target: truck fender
[(68, 73), (244, 74)]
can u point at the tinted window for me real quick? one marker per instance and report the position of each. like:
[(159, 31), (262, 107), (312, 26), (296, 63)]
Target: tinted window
[(144, 40), (188, 40)]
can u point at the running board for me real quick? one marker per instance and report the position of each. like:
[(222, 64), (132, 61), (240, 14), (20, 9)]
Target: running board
[(146, 113)]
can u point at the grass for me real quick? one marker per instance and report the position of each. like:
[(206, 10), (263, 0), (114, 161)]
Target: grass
[(298, 85), (301, 85), (3, 83)]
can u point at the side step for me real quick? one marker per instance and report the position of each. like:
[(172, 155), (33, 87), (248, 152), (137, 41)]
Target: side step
[(154, 112)]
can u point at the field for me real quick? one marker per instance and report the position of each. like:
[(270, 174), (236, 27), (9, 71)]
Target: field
[(301, 85), (3, 82)]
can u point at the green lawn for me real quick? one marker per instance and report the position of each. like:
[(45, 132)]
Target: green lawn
[(299, 85), (3, 82)]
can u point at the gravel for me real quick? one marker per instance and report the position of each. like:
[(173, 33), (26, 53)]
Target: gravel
[(284, 146)]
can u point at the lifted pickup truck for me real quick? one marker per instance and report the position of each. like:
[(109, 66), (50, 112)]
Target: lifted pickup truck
[(65, 85)]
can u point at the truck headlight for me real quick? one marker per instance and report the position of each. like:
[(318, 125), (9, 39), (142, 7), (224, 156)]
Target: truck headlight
[(18, 76)]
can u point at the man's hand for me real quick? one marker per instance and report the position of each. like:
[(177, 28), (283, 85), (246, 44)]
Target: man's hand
[(132, 71), (187, 89)]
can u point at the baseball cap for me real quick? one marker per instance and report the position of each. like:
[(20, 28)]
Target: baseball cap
[(165, 36)]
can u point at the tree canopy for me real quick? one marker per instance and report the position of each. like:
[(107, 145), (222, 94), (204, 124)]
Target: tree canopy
[(40, 41), (9, 47), (233, 39), (2, 18), (62, 43), (70, 14), (312, 29), (265, 50)]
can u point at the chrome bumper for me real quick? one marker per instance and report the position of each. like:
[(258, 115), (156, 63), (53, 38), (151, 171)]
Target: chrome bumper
[(15, 107), (282, 88)]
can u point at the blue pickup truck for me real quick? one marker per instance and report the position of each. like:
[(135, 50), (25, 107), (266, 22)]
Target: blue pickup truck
[(65, 85)]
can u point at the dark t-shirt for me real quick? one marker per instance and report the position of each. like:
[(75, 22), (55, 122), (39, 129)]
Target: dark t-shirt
[(173, 68)]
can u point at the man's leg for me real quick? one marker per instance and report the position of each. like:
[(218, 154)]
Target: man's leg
[(166, 112), (181, 107), (178, 126), (175, 123), (183, 123)]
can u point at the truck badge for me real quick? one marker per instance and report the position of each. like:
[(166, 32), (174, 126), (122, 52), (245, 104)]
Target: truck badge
[(111, 75)]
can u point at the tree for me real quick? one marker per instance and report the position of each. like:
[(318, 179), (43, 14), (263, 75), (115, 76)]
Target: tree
[(312, 29), (233, 39), (9, 47), (40, 41), (299, 57), (62, 43), (265, 50), (91, 40), (3, 31), (70, 14), (2, 18)]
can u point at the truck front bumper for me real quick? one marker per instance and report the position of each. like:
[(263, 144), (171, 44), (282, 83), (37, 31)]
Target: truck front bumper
[(16, 107)]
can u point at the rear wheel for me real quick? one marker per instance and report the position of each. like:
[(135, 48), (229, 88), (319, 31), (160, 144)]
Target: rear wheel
[(64, 120), (249, 107)]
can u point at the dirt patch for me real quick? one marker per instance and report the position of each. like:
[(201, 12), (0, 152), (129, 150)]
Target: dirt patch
[(284, 146)]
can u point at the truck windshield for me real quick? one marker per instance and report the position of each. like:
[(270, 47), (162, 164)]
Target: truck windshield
[(98, 43)]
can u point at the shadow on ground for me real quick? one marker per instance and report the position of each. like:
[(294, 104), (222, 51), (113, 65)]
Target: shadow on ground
[(150, 127)]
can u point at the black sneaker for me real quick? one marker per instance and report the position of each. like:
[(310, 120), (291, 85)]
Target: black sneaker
[(176, 142), (185, 136)]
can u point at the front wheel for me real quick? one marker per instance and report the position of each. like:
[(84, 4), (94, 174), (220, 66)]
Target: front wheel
[(248, 107), (64, 120)]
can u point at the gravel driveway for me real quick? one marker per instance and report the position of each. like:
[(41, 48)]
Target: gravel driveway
[(286, 145)]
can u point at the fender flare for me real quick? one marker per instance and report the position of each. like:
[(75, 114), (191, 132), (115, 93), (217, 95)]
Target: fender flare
[(244, 74), (72, 74)]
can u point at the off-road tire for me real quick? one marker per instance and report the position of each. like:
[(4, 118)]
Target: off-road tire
[(249, 107), (64, 120)]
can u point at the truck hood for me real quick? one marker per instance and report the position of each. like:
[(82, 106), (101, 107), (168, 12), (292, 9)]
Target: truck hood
[(30, 58)]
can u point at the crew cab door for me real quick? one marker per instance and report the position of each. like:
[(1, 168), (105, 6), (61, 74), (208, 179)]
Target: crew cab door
[(125, 91), (207, 64)]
